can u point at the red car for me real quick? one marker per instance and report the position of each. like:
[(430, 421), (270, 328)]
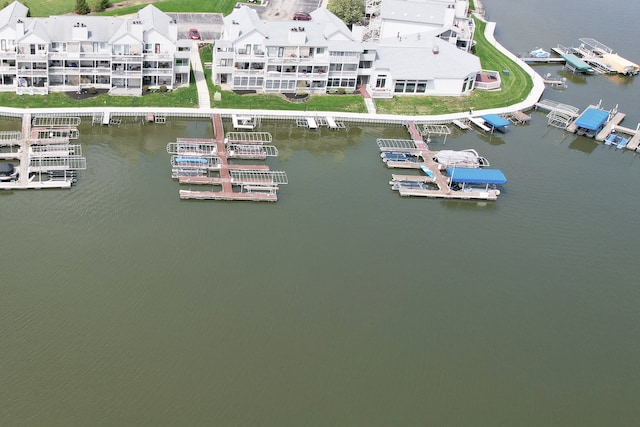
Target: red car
[(301, 16), (194, 34)]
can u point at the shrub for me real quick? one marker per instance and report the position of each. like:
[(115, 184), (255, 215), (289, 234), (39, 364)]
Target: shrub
[(100, 5), (93, 90), (145, 89), (81, 8), (163, 88), (342, 90)]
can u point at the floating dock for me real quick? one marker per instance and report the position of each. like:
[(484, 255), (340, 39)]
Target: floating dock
[(205, 162), (434, 183), (45, 158)]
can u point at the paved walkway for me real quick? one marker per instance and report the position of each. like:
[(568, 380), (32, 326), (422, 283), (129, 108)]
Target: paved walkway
[(204, 100)]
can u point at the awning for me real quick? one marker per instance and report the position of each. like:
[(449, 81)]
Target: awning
[(495, 120), (592, 119), (476, 176)]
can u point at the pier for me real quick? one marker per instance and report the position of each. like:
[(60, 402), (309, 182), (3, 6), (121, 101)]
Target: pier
[(434, 184), (44, 155), (205, 162)]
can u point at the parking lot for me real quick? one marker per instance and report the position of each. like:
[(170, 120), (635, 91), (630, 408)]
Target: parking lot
[(209, 25), (283, 10)]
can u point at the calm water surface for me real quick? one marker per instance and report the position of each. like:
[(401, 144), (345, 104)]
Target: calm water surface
[(342, 304)]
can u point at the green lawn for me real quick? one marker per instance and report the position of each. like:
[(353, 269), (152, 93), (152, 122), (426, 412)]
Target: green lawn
[(211, 6), (47, 7), (183, 97), (60, 7)]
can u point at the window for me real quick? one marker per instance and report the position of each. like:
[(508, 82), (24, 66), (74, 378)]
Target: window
[(381, 81)]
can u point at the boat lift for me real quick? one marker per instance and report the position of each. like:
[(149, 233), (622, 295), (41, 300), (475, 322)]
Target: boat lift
[(403, 145), (248, 138), (428, 130)]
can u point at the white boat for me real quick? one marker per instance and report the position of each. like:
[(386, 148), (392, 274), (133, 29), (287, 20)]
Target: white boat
[(539, 53), (462, 159)]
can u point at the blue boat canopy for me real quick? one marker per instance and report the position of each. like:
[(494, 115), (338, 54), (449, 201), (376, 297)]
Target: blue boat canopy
[(495, 120), (476, 176), (592, 119)]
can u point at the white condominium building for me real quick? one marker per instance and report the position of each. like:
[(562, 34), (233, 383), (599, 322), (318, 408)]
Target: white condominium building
[(71, 53)]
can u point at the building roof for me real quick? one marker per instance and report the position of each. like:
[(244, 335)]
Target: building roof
[(59, 28), (425, 11), (413, 57), (99, 28), (323, 30), (154, 18), (10, 14)]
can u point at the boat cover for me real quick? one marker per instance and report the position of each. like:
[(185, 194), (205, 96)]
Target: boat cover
[(576, 62), (495, 120), (464, 159), (620, 64), (476, 176), (592, 119), (539, 53)]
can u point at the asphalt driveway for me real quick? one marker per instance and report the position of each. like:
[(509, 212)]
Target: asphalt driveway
[(209, 25)]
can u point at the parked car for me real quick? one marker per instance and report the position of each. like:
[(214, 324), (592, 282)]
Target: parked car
[(301, 16), (194, 34)]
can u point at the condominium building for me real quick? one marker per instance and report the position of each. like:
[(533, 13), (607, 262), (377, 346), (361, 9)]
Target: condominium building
[(72, 53), (287, 56), (421, 48)]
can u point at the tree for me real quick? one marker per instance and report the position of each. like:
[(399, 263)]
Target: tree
[(100, 5), (82, 8), (350, 11)]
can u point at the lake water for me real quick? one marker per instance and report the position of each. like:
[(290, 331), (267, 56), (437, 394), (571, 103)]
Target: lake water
[(342, 304)]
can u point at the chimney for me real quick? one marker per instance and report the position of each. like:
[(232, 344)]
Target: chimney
[(234, 30), (173, 30), (136, 30), (80, 32), (297, 36), (19, 28)]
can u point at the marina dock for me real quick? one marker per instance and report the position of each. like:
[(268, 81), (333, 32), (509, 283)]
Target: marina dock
[(205, 162), (45, 158), (435, 183)]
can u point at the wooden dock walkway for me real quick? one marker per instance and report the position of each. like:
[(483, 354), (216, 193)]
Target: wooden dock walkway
[(239, 182), (609, 126), (442, 182), (36, 157)]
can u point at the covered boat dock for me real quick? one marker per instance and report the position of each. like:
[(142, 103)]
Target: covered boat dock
[(476, 176), (589, 122), (496, 122), (576, 64)]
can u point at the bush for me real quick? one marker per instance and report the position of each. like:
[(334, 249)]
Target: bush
[(145, 89), (100, 5), (342, 90), (163, 88), (81, 8), (93, 90)]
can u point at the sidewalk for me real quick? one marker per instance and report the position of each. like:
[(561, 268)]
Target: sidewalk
[(204, 100)]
